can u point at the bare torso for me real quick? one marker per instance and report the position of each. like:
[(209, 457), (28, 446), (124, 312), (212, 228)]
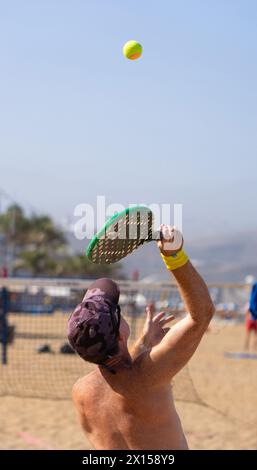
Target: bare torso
[(121, 412)]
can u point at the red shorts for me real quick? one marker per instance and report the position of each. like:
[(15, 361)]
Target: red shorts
[(251, 324)]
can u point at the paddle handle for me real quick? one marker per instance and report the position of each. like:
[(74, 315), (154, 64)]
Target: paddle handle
[(156, 236)]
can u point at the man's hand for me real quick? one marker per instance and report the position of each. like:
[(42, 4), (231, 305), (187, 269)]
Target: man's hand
[(153, 330), (171, 240)]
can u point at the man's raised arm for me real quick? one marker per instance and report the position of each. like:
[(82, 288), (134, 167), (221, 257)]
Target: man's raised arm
[(181, 341)]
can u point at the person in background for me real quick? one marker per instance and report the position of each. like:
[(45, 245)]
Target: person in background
[(251, 319)]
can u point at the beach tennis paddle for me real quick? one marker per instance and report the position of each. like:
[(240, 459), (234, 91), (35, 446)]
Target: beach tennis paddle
[(121, 235)]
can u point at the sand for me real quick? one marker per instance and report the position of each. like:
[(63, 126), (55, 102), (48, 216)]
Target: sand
[(225, 384)]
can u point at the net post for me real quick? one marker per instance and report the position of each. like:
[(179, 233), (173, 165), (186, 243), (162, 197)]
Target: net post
[(4, 324)]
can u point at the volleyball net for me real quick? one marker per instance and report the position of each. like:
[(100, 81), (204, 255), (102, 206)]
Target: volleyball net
[(36, 359)]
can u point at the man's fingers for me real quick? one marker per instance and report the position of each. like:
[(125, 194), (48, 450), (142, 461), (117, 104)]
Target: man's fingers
[(168, 233), (158, 317), (162, 319), (172, 239), (149, 312), (167, 320)]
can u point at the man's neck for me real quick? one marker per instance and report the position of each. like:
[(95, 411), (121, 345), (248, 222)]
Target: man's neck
[(139, 347), (119, 361)]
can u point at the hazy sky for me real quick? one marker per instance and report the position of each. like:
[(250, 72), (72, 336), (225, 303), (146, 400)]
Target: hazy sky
[(178, 125)]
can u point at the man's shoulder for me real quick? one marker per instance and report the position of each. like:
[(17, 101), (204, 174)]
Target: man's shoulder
[(82, 386)]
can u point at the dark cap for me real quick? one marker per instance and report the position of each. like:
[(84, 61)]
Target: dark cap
[(93, 327)]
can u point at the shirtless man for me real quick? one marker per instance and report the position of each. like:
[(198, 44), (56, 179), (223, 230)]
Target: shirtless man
[(127, 402)]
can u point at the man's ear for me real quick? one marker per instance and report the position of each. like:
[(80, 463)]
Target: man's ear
[(121, 337)]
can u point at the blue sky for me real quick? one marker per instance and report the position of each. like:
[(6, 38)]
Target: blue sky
[(179, 125)]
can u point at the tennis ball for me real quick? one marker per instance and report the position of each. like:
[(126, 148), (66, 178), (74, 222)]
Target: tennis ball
[(132, 50)]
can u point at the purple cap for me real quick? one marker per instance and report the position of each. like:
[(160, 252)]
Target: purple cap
[(93, 327)]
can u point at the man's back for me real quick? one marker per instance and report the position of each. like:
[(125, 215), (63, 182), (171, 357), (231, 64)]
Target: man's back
[(121, 412)]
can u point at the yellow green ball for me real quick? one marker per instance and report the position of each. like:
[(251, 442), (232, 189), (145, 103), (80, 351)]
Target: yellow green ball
[(132, 50)]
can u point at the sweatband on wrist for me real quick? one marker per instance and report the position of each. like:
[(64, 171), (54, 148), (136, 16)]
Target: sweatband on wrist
[(175, 261)]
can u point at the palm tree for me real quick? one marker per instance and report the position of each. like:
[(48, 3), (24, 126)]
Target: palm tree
[(39, 247), (80, 266)]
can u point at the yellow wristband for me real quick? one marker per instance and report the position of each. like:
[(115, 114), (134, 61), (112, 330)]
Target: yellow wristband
[(175, 261)]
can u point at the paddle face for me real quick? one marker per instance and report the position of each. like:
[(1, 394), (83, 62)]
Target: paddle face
[(121, 235)]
